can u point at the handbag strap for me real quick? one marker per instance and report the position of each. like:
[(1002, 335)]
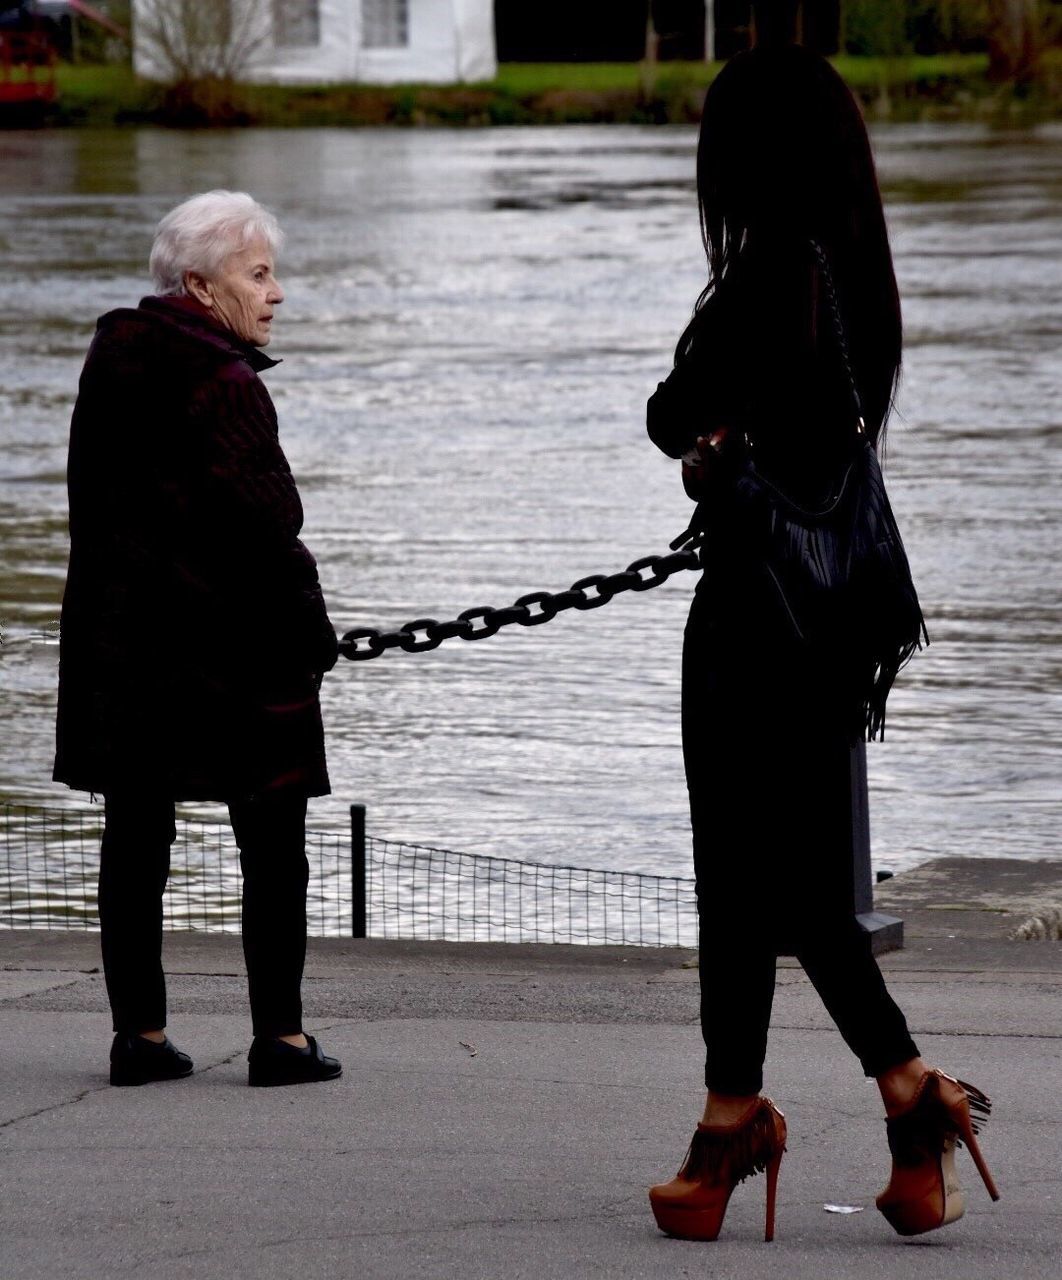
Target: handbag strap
[(839, 331)]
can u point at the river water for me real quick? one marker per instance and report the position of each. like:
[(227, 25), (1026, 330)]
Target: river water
[(473, 323)]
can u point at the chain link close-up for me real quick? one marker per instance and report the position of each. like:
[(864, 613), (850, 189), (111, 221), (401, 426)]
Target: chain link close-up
[(531, 610)]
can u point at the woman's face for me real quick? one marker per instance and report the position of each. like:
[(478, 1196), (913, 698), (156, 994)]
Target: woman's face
[(243, 294)]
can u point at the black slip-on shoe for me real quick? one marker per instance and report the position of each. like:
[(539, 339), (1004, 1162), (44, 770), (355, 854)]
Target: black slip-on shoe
[(135, 1060), (275, 1062)]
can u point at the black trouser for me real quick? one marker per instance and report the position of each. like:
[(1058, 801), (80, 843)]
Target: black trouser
[(134, 865), (769, 772)]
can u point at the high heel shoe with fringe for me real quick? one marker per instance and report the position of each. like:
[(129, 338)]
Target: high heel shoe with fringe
[(924, 1192), (692, 1205)]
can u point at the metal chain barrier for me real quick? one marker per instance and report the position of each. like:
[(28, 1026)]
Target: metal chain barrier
[(531, 610)]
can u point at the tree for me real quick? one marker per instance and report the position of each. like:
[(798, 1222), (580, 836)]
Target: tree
[(193, 42), (1014, 40)]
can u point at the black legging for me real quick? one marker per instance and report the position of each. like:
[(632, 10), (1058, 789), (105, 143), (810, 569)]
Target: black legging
[(134, 866), (768, 772)]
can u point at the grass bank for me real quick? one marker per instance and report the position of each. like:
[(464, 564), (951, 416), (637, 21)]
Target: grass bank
[(941, 87)]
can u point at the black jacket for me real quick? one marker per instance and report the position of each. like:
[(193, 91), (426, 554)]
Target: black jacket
[(193, 630), (760, 358)]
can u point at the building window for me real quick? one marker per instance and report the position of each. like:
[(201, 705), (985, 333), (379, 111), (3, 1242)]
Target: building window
[(384, 24), (296, 23)]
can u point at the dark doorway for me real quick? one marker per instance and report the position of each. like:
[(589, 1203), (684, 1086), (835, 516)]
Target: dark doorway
[(615, 30), (570, 30)]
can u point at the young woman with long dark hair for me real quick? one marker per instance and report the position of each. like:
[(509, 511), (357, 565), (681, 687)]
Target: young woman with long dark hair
[(800, 305)]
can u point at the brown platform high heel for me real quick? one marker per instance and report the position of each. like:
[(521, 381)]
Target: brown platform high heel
[(924, 1191), (692, 1205)]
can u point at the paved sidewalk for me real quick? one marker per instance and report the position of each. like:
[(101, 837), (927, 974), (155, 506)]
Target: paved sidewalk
[(504, 1108)]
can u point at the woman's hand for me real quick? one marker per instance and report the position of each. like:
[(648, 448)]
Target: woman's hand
[(699, 463)]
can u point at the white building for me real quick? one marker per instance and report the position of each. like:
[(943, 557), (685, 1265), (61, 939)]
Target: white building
[(335, 41)]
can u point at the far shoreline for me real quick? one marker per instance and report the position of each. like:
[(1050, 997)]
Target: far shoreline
[(944, 87)]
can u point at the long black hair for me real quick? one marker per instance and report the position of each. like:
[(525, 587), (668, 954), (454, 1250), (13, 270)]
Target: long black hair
[(784, 159)]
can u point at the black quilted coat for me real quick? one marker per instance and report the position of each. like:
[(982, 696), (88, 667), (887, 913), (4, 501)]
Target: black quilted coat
[(193, 631)]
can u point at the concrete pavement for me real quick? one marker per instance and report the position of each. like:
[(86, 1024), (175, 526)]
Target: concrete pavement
[(503, 1109)]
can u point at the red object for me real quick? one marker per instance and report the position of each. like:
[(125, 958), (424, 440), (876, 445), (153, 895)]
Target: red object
[(27, 68)]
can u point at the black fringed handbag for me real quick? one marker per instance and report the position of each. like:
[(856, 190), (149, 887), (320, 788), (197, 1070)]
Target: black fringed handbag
[(840, 571)]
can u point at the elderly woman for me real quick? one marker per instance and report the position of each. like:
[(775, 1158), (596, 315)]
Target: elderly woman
[(194, 634)]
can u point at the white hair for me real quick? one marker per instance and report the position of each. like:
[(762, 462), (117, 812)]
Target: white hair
[(200, 234)]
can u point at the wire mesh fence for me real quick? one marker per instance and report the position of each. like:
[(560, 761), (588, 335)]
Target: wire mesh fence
[(49, 863), (421, 892)]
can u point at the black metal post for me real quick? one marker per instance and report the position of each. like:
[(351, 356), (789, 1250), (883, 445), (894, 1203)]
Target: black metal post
[(357, 871), (885, 932)]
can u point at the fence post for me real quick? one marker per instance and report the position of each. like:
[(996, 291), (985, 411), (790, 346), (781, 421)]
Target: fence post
[(357, 871), (885, 932)]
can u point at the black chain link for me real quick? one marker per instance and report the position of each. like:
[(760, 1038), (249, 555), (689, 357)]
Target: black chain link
[(531, 610)]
